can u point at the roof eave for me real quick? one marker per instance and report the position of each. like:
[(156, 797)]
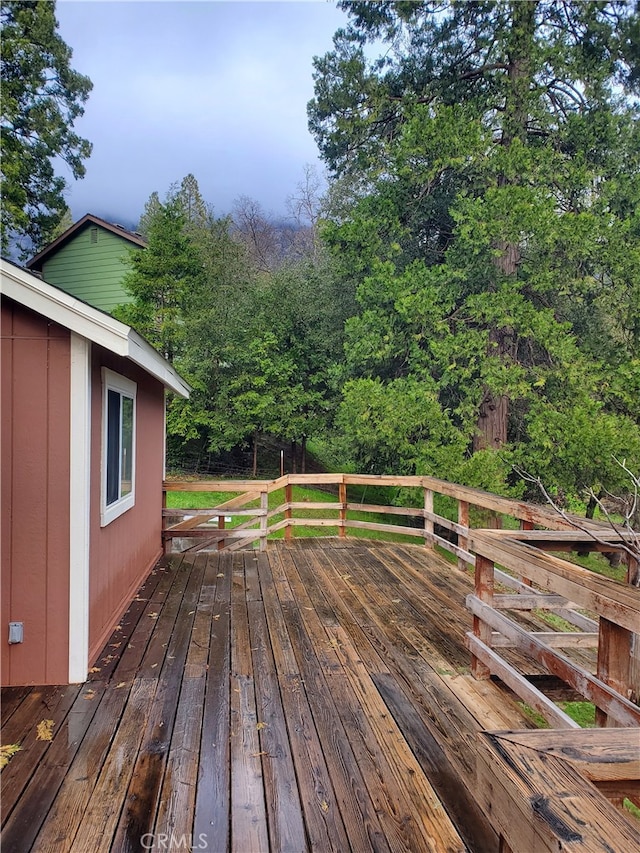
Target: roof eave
[(89, 322)]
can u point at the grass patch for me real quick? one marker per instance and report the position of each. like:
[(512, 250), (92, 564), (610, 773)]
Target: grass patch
[(300, 494), (584, 713), (633, 810)]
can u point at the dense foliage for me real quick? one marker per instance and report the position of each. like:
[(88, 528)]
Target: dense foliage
[(42, 96), (256, 341), (487, 179), (465, 301)]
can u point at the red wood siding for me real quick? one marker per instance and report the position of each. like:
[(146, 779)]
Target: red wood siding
[(123, 552), (35, 427)]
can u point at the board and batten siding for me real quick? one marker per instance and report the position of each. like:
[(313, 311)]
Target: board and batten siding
[(35, 418), (91, 266)]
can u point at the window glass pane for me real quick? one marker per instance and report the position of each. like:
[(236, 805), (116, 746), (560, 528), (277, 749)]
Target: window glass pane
[(113, 446), (127, 446)]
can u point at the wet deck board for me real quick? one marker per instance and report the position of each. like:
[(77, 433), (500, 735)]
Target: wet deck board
[(313, 697)]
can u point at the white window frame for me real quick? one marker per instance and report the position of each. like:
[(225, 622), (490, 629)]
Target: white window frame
[(126, 388)]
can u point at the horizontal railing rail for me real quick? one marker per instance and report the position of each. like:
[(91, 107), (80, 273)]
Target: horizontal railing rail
[(436, 529)]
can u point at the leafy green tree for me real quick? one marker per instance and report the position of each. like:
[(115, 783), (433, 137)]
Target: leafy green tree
[(499, 163), (163, 280), (42, 96)]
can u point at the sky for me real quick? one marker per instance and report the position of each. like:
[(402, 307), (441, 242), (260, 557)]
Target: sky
[(216, 89)]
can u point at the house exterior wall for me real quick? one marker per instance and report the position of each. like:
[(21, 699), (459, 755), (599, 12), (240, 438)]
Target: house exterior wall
[(92, 271), (123, 552), (34, 435)]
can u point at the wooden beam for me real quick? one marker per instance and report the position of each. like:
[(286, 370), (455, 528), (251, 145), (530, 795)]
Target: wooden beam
[(615, 601), (519, 684), (541, 802), (481, 630), (463, 523), (555, 639), (614, 659), (342, 497), (428, 518), (592, 688)]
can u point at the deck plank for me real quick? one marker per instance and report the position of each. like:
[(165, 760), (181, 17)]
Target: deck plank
[(213, 793), (313, 697), (249, 832)]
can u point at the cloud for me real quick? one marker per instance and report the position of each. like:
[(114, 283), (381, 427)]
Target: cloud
[(217, 89)]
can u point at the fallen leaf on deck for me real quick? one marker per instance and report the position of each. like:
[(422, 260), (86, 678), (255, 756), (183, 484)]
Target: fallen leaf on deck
[(261, 726), (345, 577), (324, 805), (220, 575), (95, 669), (152, 615), (45, 730), (89, 694), (395, 601), (122, 684), (217, 616), (7, 752)]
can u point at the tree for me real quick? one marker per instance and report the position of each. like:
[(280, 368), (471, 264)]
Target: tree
[(500, 163), (164, 278), (42, 96)]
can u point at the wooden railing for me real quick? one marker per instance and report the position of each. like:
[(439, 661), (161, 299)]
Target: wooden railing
[(258, 521), (538, 788)]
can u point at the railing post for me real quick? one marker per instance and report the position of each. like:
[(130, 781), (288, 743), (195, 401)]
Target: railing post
[(342, 498), (484, 591), (220, 527), (614, 663), (526, 525), (463, 521), (264, 506), (167, 541), (288, 513), (633, 576), (428, 522)]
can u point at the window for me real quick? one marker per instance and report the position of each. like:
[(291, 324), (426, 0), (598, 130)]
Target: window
[(118, 445)]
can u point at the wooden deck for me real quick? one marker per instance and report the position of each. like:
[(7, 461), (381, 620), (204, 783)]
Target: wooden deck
[(312, 697)]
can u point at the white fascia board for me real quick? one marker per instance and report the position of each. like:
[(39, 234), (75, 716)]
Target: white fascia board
[(64, 309), (89, 322), (142, 353)]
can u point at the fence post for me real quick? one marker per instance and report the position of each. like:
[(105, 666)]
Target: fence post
[(167, 542), (342, 498), (484, 591), (428, 522), (614, 662), (463, 542), (288, 513), (633, 575), (526, 525), (264, 506), (220, 527)]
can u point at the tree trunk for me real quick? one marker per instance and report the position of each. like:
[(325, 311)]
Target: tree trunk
[(294, 456), (493, 413), (303, 455)]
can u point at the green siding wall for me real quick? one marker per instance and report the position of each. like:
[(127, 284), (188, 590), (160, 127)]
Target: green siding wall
[(92, 271)]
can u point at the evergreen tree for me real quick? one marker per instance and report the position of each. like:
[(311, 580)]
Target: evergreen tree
[(495, 239), (42, 96)]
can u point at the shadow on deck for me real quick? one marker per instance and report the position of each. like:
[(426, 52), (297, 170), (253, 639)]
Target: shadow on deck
[(312, 697)]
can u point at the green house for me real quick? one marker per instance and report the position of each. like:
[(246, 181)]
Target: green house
[(90, 260)]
